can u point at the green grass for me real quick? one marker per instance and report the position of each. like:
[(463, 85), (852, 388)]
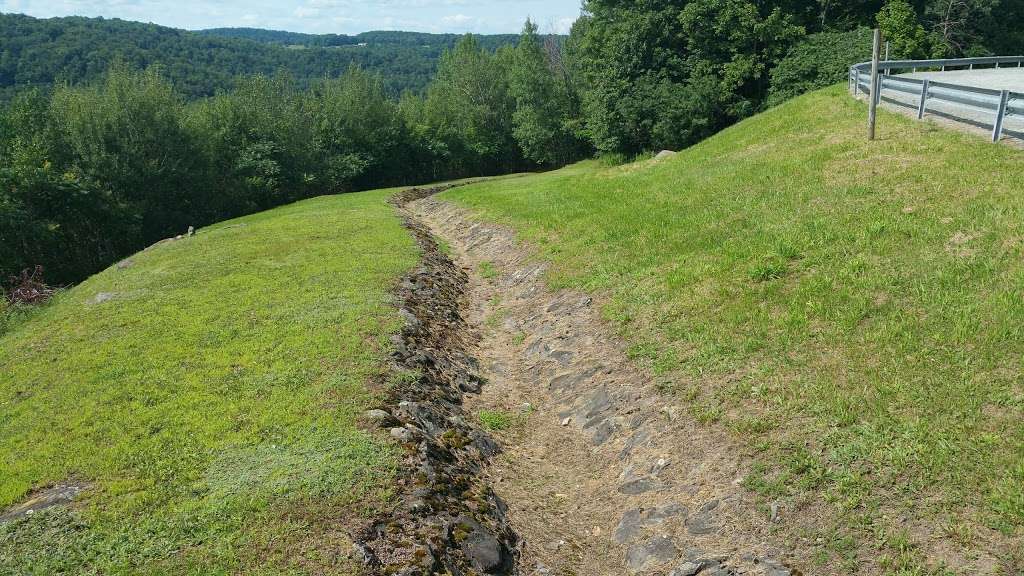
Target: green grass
[(853, 310), (488, 270), (496, 420), (211, 403)]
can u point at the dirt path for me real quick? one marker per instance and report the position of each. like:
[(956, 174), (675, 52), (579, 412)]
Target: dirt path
[(602, 475)]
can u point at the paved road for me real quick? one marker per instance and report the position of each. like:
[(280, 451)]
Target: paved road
[(997, 78), (978, 120)]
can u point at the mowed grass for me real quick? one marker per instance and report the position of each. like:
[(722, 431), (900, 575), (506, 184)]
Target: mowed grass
[(210, 402), (854, 310)]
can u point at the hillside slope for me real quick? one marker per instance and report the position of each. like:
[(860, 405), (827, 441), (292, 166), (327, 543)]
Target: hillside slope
[(205, 394), (851, 311), (40, 52)]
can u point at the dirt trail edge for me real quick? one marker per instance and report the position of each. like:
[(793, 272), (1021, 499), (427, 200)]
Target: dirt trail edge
[(446, 520), (602, 474)]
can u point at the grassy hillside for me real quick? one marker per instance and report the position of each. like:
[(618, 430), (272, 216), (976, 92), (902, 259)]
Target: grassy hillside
[(208, 395), (852, 309)]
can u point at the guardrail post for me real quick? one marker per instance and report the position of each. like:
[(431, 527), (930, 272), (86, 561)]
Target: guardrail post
[(856, 83), (997, 129), (873, 104), (924, 99)]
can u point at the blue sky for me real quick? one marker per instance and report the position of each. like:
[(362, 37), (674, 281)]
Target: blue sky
[(319, 16)]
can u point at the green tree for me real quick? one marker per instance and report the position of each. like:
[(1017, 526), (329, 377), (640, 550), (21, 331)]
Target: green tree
[(541, 117), (818, 61), (959, 26), (906, 36), (732, 41), (468, 111), (359, 132)]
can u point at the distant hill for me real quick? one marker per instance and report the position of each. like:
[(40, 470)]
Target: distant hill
[(375, 38), (40, 52)]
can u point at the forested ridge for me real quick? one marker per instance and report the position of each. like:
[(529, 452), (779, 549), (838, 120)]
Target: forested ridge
[(131, 146), (42, 52)]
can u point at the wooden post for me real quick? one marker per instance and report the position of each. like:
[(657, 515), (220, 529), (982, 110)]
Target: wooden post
[(875, 84)]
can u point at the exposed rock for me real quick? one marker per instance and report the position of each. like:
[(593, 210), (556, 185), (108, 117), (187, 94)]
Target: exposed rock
[(687, 569), (776, 568), (484, 551), (125, 264), (654, 552), (102, 297), (401, 434), (715, 568), (700, 525), (447, 519), (381, 418), (56, 495), (634, 521), (665, 154), (640, 486)]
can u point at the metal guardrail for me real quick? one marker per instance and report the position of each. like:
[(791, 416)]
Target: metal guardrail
[(1001, 103)]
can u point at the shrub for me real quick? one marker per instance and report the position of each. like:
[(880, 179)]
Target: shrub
[(29, 288), (820, 60)]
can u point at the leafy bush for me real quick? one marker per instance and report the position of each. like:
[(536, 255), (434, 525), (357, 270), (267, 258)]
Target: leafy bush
[(820, 60)]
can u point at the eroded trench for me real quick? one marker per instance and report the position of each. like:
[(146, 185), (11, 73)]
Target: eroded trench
[(600, 473)]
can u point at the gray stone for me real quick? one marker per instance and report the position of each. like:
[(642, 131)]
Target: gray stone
[(716, 569), (665, 154), (38, 501), (776, 568), (602, 432), (639, 486), (102, 297), (634, 521), (481, 548), (658, 466), (656, 551), (629, 527), (401, 434), (667, 511), (700, 525), (538, 348), (687, 569), (563, 357), (571, 380), (639, 438), (381, 418), (125, 264), (409, 317), (710, 505)]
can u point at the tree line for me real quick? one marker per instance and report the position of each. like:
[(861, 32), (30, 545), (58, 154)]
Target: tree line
[(44, 52), (667, 73), (91, 172)]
